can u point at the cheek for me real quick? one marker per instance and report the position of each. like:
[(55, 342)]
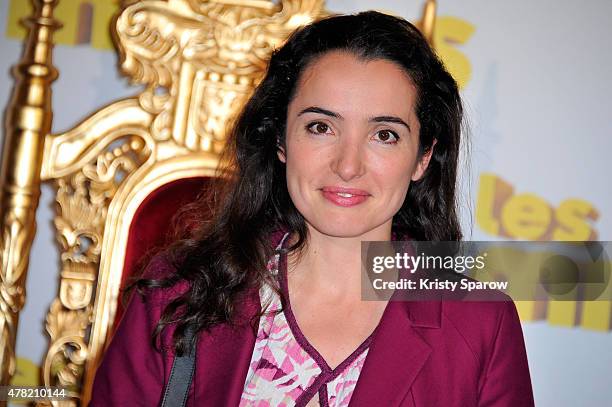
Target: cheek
[(299, 167), (302, 158), (399, 189), (394, 179)]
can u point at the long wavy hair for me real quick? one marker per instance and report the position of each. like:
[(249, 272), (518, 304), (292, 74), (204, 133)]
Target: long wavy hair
[(224, 253)]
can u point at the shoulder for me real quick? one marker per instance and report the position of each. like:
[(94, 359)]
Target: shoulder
[(149, 300), (472, 317), (159, 268), (484, 326), (476, 311)]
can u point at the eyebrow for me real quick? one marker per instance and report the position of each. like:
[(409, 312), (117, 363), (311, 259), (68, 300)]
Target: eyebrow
[(390, 119), (316, 109), (377, 119)]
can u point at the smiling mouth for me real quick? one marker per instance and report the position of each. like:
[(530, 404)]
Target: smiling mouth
[(342, 191), (345, 197)]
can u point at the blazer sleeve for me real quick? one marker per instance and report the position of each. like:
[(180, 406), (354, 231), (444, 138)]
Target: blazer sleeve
[(507, 382), (132, 372)]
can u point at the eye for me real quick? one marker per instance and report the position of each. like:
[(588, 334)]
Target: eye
[(386, 136), (318, 128)]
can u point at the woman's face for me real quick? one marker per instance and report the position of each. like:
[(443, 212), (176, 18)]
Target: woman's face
[(351, 145)]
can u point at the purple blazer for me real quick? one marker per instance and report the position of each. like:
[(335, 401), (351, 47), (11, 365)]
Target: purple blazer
[(424, 354)]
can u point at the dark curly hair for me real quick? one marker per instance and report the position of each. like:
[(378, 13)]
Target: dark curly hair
[(227, 253)]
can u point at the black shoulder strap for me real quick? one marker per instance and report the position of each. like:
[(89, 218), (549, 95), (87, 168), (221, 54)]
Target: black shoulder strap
[(181, 375)]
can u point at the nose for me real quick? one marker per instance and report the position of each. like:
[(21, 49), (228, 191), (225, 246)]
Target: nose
[(348, 161)]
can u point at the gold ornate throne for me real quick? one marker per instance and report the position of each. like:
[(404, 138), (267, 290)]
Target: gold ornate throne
[(121, 173)]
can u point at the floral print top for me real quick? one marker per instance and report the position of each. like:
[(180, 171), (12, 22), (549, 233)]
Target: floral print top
[(285, 369)]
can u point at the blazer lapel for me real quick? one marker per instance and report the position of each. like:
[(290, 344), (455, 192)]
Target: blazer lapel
[(397, 353), (223, 357)]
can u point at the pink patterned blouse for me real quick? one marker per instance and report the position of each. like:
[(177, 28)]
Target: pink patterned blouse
[(285, 369)]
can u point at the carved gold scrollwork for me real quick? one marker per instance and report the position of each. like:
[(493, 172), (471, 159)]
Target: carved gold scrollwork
[(206, 56), (82, 200), (27, 121), (12, 296), (66, 357), (214, 96)]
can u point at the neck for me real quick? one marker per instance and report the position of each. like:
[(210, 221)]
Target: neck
[(331, 266)]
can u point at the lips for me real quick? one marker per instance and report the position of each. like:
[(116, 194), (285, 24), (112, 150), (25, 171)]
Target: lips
[(345, 197)]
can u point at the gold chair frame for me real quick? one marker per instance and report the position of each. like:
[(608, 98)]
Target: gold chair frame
[(199, 61)]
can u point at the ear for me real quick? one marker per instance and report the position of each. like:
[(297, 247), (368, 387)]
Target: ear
[(280, 152), (423, 163)]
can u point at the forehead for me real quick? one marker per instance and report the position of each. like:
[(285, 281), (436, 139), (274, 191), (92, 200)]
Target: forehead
[(341, 80)]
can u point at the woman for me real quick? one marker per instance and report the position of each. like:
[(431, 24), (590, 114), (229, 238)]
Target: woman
[(353, 135)]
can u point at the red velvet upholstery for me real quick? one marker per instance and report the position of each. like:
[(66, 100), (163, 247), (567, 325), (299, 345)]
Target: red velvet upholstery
[(151, 225)]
